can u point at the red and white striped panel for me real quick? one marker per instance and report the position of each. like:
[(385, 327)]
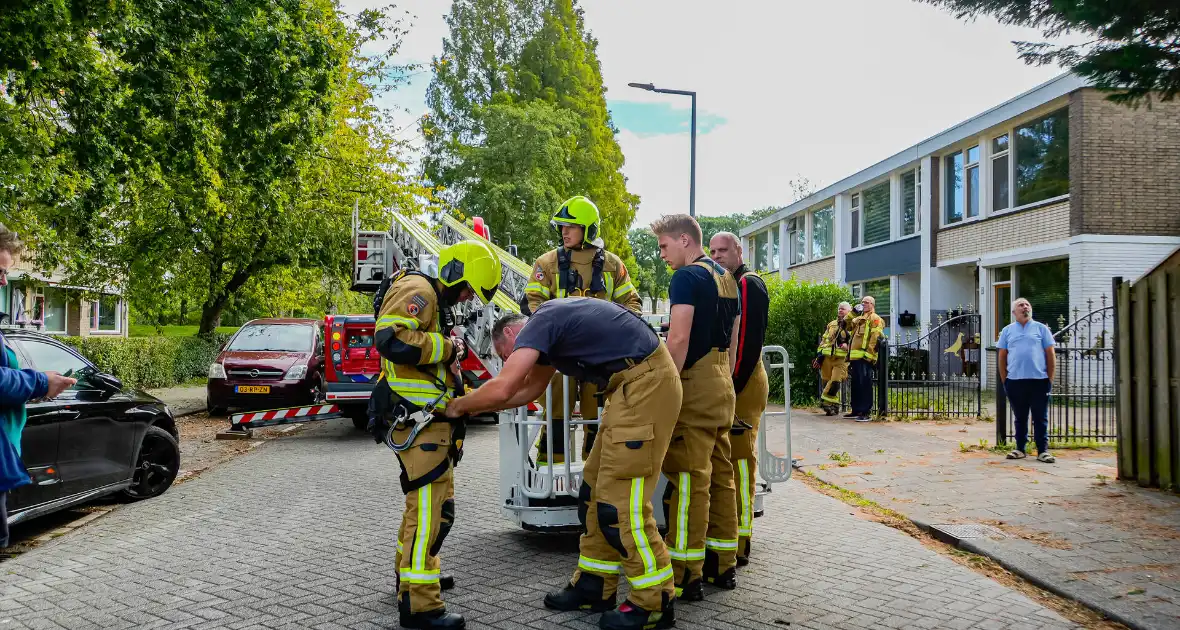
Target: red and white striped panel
[(279, 414)]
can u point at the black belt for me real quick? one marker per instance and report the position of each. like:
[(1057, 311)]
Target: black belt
[(610, 368)]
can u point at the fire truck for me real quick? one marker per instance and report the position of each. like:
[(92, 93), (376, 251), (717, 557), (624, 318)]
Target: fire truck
[(536, 496)]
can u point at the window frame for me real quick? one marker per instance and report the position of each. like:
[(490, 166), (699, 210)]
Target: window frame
[(856, 221), (970, 191), (95, 307), (41, 302), (831, 210), (1014, 154), (916, 173), (887, 182), (1008, 153)]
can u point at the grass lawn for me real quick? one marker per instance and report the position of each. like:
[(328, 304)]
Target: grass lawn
[(147, 330)]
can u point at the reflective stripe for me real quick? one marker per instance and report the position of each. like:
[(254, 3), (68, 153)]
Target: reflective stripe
[(648, 580), (831, 399), (601, 566), (536, 287), (718, 543), (391, 320), (623, 290), (421, 537), (399, 546), (746, 521), (637, 529), (419, 577), (609, 281), (682, 511), (436, 347), (687, 554)]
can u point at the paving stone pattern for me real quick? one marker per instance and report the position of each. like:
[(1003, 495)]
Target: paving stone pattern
[(299, 534), (1112, 545)]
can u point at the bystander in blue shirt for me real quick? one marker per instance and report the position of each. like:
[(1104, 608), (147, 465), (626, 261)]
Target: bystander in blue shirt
[(1026, 344), (1026, 365)]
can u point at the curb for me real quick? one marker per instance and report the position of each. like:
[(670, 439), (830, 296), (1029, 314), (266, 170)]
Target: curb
[(1036, 580)]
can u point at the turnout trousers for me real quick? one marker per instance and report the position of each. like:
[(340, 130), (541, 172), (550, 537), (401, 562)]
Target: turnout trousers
[(834, 371), (428, 481), (751, 402), (700, 501), (614, 501), (585, 398)]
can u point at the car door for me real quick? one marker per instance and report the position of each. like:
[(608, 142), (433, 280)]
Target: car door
[(38, 452), (96, 438)]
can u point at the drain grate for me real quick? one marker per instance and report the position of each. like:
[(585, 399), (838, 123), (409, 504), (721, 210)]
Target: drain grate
[(952, 533)]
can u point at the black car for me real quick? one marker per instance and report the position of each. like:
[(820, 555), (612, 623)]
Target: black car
[(94, 439)]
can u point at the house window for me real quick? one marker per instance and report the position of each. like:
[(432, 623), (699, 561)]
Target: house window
[(972, 182), (797, 239), (774, 261), (879, 289), (876, 211), (953, 165), (909, 203), (822, 232), (855, 221), (17, 297), (761, 251), (104, 314), (54, 310), (1000, 197), (1001, 298), (1046, 285), (4, 290), (1042, 158)]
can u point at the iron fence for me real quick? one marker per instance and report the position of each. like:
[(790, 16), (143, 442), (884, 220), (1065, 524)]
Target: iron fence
[(937, 374), (1082, 405)]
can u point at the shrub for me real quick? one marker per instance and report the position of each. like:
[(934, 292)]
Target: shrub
[(799, 311), (147, 362)]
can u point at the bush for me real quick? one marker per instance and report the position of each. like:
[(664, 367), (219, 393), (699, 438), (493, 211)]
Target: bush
[(147, 362), (799, 312)]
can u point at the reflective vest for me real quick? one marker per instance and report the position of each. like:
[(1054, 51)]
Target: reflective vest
[(834, 336), (411, 309), (866, 331)]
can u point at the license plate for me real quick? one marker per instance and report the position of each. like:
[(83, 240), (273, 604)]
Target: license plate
[(252, 389)]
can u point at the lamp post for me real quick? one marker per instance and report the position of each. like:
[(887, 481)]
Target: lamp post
[(692, 180)]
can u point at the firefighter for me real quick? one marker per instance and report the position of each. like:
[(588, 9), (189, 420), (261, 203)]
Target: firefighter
[(867, 327), (750, 384), (832, 356), (602, 343), (579, 267), (700, 501), (419, 377)]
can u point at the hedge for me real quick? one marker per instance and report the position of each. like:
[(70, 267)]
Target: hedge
[(799, 311), (148, 362)]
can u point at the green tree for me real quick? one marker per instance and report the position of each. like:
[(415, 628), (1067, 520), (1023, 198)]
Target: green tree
[(559, 65), (651, 274), (1132, 48), (728, 223)]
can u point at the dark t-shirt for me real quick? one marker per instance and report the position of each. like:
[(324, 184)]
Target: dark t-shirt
[(693, 284), (576, 335)]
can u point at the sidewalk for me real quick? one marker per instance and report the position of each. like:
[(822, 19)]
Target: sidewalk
[(1069, 527), (182, 399)]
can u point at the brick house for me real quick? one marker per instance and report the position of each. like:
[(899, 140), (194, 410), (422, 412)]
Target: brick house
[(1049, 195), (42, 302)]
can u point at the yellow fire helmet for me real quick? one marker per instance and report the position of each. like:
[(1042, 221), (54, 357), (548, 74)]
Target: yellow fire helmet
[(473, 262), (580, 211)]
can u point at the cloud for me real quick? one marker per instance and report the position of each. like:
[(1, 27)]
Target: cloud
[(646, 119)]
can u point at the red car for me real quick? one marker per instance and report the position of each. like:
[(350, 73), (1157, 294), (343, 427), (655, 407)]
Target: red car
[(268, 363)]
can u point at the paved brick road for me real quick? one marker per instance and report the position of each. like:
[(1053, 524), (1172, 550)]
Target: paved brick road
[(298, 534), (1112, 545)]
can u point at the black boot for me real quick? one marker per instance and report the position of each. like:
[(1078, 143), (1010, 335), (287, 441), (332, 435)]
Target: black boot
[(581, 596), (446, 581), (694, 591), (727, 580), (743, 560), (632, 617), (430, 620)]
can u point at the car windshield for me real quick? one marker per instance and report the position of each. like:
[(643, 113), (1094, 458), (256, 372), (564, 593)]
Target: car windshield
[(273, 337)]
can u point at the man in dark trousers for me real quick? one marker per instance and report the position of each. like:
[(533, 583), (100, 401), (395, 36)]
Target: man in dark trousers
[(600, 342), (749, 380), (867, 327)]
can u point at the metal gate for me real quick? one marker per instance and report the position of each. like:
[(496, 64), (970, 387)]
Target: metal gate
[(937, 374), (1082, 403)]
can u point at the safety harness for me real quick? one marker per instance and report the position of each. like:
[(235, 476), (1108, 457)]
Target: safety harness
[(569, 281)]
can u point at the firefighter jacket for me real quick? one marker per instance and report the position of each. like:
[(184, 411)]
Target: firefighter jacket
[(755, 304), (590, 271), (866, 331), (415, 350), (836, 334)]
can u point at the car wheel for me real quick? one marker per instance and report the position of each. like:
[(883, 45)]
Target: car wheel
[(317, 392), (156, 465), (360, 422)]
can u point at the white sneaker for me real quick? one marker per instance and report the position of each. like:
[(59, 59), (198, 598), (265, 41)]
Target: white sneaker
[(1046, 457), (1017, 455)]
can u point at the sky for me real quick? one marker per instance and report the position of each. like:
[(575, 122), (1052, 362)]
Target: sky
[(786, 89)]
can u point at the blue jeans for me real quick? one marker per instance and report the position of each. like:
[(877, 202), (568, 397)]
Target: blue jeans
[(1030, 395)]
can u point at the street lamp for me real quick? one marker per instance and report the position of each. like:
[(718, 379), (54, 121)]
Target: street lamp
[(692, 181)]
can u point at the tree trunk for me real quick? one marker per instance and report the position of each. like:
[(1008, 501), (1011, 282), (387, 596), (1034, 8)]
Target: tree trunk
[(211, 316), (183, 311)]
